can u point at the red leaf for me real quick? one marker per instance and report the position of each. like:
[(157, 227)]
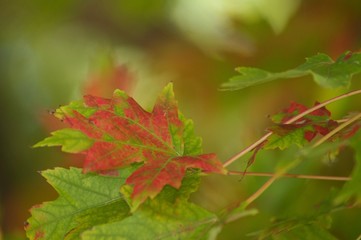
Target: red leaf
[(321, 130), (316, 122), (149, 179), (296, 108), (349, 132), (309, 135), (124, 133), (321, 111)]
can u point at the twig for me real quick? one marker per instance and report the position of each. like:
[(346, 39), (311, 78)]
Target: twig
[(261, 174), (292, 120), (259, 191), (269, 182), (266, 185), (337, 129), (246, 150)]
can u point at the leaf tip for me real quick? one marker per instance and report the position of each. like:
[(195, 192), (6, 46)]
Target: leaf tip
[(119, 93), (39, 144), (168, 90)]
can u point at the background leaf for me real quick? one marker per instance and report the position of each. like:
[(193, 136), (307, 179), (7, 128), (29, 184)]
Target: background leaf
[(158, 220), (305, 232), (314, 226), (352, 188), (325, 72), (84, 201), (300, 132), (70, 140)]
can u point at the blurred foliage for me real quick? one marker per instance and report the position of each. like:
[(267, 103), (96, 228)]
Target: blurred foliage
[(49, 51)]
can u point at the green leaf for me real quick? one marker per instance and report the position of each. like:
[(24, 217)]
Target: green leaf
[(71, 140), (110, 212), (312, 225), (297, 137), (192, 143), (306, 232), (158, 220), (325, 72), (352, 188), (302, 228), (77, 106), (85, 200)]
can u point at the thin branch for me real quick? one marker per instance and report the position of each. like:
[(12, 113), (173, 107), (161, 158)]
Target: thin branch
[(246, 150), (337, 129), (270, 181), (260, 190), (236, 216), (318, 177), (292, 120), (320, 105)]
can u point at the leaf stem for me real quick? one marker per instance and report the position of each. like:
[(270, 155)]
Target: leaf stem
[(263, 174), (337, 129), (246, 150), (295, 118), (269, 182), (236, 216), (259, 191)]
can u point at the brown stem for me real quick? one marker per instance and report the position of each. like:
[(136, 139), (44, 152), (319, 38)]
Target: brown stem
[(261, 174), (259, 191), (266, 185), (246, 150), (295, 118), (337, 129)]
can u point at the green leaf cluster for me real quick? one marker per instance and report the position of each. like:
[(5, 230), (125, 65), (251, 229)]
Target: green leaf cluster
[(90, 206), (325, 71)]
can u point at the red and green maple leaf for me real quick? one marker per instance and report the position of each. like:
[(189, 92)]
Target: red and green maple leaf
[(301, 131), (305, 129), (117, 132)]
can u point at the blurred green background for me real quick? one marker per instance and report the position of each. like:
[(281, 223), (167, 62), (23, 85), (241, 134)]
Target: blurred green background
[(52, 52)]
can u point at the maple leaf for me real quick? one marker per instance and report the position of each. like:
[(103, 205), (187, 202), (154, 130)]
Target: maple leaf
[(325, 71), (301, 131), (350, 130), (158, 220), (85, 200), (123, 133)]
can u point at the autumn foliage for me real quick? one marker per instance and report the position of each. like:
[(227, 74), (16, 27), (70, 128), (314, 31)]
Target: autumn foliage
[(140, 167), (121, 133)]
